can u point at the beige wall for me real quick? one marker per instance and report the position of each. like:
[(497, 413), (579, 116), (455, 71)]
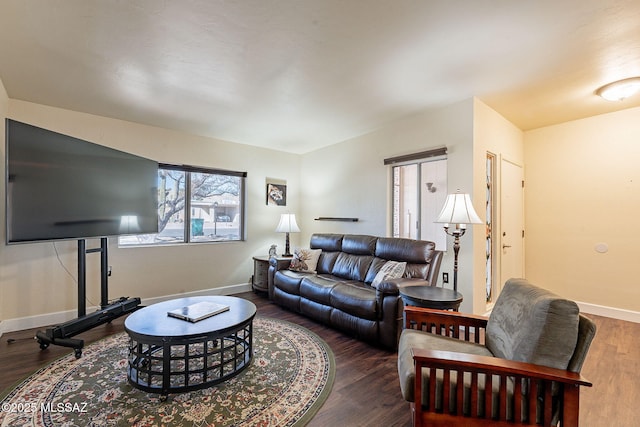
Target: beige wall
[(583, 189), (492, 133), (33, 280), (4, 107)]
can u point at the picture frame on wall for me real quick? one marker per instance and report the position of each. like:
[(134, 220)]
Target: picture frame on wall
[(276, 194)]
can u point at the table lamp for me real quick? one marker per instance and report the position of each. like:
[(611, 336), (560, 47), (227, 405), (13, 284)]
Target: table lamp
[(287, 225)]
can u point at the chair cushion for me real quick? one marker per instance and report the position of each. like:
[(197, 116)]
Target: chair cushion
[(533, 325), (411, 338)]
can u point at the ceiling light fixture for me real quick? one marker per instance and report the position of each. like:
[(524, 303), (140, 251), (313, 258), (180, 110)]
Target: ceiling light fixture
[(617, 91)]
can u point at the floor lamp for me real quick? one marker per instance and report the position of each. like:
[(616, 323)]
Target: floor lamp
[(457, 210), (287, 225)]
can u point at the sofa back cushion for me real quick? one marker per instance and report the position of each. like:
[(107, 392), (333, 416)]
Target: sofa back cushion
[(533, 325), (326, 242), (418, 254), (359, 244), (331, 245), (347, 256), (352, 267)]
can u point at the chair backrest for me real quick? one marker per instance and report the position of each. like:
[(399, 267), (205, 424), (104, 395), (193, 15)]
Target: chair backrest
[(533, 325), (586, 332)]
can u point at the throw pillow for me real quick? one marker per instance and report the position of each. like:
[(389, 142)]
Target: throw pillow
[(305, 260), (390, 270)]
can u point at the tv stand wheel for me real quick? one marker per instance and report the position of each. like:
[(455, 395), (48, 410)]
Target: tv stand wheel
[(43, 345), (78, 353)]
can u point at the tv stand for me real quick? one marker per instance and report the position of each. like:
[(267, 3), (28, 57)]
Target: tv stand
[(61, 334)]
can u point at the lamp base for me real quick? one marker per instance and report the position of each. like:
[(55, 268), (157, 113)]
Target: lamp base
[(286, 253)]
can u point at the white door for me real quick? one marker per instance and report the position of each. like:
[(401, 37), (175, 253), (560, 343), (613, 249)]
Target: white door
[(511, 243)]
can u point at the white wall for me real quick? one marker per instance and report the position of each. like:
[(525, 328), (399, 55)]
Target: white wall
[(33, 280), (349, 179), (583, 189)]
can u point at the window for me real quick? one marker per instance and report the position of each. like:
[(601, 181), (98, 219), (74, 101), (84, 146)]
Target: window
[(419, 192), (196, 205)]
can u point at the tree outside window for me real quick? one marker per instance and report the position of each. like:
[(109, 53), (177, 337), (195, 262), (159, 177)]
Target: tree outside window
[(195, 205)]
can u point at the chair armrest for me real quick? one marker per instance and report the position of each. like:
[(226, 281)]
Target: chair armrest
[(449, 323), (493, 365), (539, 394)]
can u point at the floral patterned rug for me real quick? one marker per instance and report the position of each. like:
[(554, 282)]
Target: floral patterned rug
[(289, 379)]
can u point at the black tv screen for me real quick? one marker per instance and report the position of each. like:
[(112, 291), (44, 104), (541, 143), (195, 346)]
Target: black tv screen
[(60, 187)]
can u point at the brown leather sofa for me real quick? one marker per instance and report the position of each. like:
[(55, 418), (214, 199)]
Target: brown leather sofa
[(339, 292)]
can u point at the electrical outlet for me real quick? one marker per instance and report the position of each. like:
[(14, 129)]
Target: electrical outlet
[(445, 277)]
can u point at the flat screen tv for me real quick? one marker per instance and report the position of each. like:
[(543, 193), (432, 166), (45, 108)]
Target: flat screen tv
[(60, 187)]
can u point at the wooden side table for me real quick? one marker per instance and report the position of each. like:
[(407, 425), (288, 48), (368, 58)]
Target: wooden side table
[(260, 278)]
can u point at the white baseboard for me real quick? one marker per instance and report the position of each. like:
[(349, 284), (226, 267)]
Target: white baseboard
[(614, 313), (48, 319), (601, 310)]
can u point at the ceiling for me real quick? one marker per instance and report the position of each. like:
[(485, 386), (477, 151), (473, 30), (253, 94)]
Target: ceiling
[(296, 75)]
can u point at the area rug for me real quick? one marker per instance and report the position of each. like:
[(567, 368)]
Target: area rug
[(289, 379)]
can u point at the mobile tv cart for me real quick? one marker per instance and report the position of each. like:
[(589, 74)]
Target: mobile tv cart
[(61, 334)]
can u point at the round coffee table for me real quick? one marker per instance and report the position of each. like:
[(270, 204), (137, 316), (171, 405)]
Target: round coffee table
[(169, 355), (431, 297)]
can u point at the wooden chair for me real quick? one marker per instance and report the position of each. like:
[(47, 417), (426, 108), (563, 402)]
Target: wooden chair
[(520, 366)]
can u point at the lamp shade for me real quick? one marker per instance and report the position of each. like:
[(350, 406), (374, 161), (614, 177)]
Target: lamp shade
[(287, 224), (458, 210)]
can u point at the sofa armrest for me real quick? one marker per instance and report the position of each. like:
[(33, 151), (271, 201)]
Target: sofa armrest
[(392, 286), (276, 264), (279, 263), (539, 394), (449, 323)]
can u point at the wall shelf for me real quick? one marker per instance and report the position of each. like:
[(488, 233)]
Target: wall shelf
[(333, 218)]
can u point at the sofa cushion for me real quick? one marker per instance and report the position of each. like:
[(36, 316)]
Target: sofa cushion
[(533, 325), (317, 288), (305, 260), (326, 242), (359, 244), (289, 281), (356, 299), (326, 261), (409, 250), (351, 267)]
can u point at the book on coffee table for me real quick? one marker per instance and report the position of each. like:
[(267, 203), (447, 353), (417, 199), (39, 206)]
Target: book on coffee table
[(198, 311)]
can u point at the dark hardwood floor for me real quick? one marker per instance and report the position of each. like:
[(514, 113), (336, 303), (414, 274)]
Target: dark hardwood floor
[(366, 390)]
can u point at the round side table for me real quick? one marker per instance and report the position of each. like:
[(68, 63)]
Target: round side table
[(431, 297)]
